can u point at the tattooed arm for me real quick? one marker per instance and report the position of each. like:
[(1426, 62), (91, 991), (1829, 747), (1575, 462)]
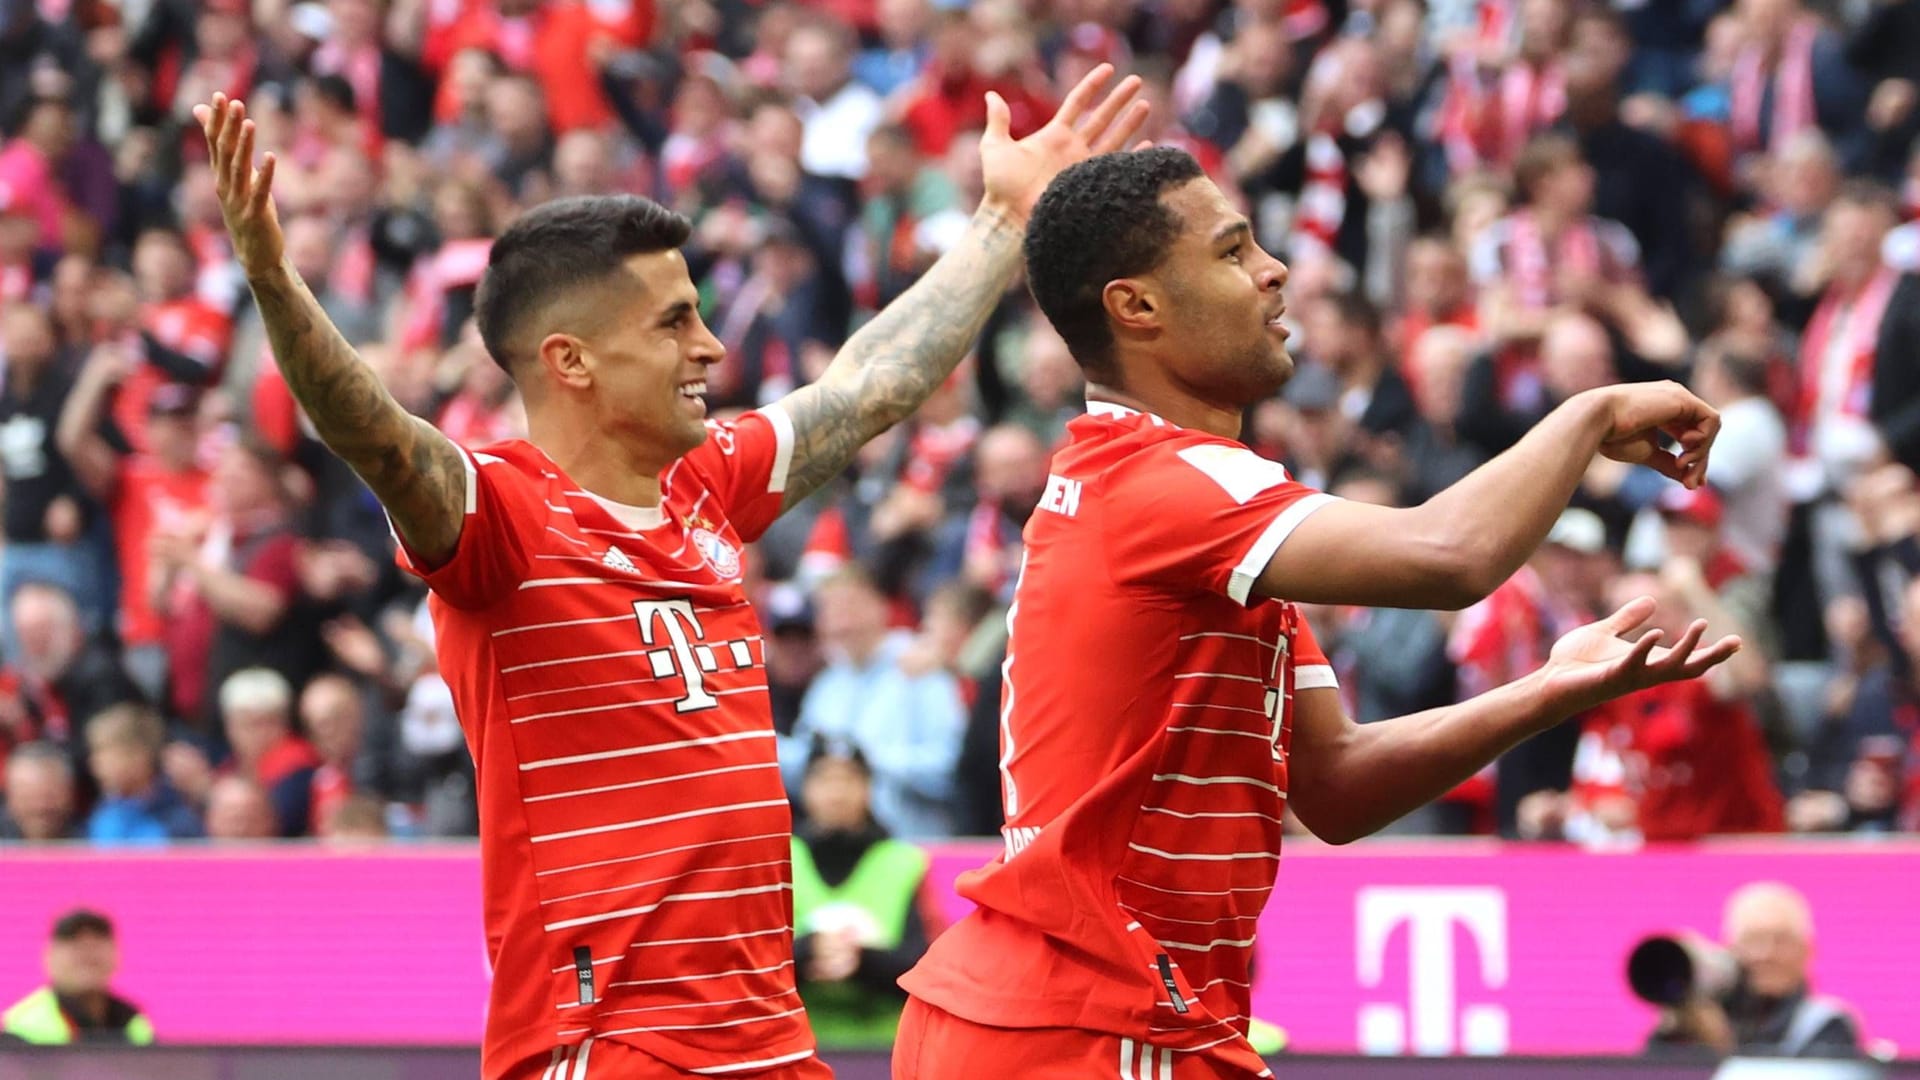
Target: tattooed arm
[(897, 361), (416, 472)]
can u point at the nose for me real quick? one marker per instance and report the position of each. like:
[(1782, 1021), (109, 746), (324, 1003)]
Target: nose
[(708, 349), (1274, 277)]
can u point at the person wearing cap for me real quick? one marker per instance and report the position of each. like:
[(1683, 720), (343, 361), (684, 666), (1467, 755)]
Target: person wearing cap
[(76, 1005), (856, 917), (1509, 634), (160, 490)]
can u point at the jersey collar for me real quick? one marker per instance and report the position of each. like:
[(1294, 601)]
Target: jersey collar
[(1111, 411)]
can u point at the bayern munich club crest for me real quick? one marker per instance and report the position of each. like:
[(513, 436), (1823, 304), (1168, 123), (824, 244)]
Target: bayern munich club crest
[(722, 556)]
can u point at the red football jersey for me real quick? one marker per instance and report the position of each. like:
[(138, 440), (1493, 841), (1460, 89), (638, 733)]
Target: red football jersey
[(610, 677), (1144, 732)]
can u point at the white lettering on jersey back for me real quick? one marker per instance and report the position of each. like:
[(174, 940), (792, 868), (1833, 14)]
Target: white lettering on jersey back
[(1062, 497), (1019, 837), (1240, 472)]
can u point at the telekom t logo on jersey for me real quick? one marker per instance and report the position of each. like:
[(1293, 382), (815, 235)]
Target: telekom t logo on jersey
[(1432, 1021), (674, 618)]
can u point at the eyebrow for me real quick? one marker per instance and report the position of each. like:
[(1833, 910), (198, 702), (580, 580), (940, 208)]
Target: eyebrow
[(679, 308), (1236, 228)]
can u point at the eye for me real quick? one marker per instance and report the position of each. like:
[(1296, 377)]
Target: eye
[(1233, 253)]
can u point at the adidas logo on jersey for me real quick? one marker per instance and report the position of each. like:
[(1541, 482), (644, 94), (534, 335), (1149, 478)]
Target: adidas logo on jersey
[(618, 560)]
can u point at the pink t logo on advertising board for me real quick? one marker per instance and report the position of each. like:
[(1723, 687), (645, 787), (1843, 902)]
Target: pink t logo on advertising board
[(1432, 1021)]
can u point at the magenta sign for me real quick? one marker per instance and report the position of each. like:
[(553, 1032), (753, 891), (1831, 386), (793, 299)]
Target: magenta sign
[(1389, 948)]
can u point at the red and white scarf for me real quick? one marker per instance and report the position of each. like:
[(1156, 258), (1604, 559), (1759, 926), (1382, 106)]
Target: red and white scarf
[(1792, 80), (1323, 195), (1825, 392), (1532, 99), (1531, 267)]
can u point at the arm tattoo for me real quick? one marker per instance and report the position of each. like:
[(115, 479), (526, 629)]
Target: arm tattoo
[(415, 471), (895, 362)]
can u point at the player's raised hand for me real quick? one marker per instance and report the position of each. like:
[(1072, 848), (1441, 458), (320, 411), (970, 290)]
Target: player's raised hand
[(1596, 662), (1016, 172), (246, 193), (1639, 414)]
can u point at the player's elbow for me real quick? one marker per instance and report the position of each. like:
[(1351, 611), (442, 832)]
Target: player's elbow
[(1455, 574)]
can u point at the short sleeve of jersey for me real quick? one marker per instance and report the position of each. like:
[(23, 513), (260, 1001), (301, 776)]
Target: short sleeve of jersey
[(744, 463), (1311, 668), (1197, 513), (504, 503)]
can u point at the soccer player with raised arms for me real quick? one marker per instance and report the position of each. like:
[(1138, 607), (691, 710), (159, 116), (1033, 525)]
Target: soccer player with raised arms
[(587, 598), (1164, 701)]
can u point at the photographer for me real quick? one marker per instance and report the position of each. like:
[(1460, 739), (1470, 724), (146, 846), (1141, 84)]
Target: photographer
[(1753, 999)]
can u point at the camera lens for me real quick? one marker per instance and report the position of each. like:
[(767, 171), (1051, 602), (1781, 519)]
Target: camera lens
[(1660, 971)]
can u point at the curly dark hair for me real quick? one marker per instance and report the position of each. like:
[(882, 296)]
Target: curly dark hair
[(559, 247), (1099, 220)]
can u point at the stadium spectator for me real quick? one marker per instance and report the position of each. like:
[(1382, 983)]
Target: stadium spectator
[(256, 705), (40, 795), (78, 1004), (46, 511), (1772, 1010), (59, 675), (908, 727), (136, 804), (237, 809), (856, 905), (333, 714)]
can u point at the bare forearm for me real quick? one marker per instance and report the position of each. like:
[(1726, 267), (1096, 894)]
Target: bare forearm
[(1499, 513), (252, 605), (899, 359), (1375, 774), (416, 472)]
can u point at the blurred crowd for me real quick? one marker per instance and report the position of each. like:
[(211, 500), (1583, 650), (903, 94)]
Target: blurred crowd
[(1487, 206)]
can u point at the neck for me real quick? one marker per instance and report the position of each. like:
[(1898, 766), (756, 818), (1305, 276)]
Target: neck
[(613, 469), (1174, 407), (1550, 219), (861, 651)]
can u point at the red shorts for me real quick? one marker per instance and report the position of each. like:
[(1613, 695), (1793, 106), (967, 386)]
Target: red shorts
[(598, 1059), (934, 1044)]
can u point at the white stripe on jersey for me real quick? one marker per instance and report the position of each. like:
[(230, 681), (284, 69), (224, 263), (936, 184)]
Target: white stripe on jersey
[(1220, 675), (701, 1004), (743, 1066), (564, 622), (1127, 1058), (1186, 892), (559, 1055), (1240, 584), (1216, 943), (1315, 677), (1208, 985), (641, 823), (677, 898), (1143, 913), (783, 439), (568, 539), (1210, 705), (649, 748), (1177, 857), (609, 707), (1207, 781), (580, 1062), (696, 978), (577, 689), (582, 658), (1210, 814), (687, 873), (649, 783), (679, 941), (707, 1027), (1264, 736), (1236, 637), (654, 854)]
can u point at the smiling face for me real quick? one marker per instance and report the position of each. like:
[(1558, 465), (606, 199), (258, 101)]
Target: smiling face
[(1219, 302), (647, 361)]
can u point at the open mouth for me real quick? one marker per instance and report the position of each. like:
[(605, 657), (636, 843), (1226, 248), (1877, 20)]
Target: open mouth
[(693, 390)]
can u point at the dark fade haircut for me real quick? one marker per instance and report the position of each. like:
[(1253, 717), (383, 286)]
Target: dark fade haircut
[(1099, 220), (560, 247)]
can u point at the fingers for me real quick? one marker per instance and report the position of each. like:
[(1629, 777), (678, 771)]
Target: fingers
[(1636, 658), (243, 163), (1629, 616), (1117, 136), (1143, 144), (1667, 660), (999, 118), (1711, 657), (262, 185), (1082, 94), (1104, 114)]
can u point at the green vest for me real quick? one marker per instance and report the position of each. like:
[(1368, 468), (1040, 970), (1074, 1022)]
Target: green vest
[(879, 894), (1267, 1039), (37, 1019)]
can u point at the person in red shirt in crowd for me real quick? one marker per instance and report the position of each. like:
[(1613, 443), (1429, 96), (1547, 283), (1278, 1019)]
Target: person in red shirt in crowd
[(587, 599), (162, 490), (1439, 292), (1144, 798), (256, 708), (183, 338), (555, 41), (962, 69), (334, 716), (1673, 762)]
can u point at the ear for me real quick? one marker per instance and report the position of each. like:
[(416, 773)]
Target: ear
[(1134, 304), (566, 360)]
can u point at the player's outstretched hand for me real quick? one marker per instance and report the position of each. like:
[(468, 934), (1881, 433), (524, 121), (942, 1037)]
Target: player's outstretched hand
[(1596, 662), (246, 193), (1016, 172), (1640, 413)]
